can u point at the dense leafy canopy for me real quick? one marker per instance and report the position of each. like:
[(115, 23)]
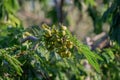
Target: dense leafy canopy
[(48, 52)]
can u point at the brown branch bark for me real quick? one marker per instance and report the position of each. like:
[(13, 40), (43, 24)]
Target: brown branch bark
[(99, 41)]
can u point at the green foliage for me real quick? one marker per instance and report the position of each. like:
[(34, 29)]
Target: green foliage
[(51, 52), (92, 57), (111, 55), (96, 17), (114, 13), (90, 2), (9, 64), (8, 9), (43, 62), (52, 14), (13, 33), (8, 21), (110, 66), (78, 4)]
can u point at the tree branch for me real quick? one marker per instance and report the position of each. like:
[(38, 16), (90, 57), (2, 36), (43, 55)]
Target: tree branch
[(32, 38)]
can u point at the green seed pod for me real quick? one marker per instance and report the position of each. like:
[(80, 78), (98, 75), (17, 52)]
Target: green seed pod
[(63, 33), (54, 31), (69, 54), (44, 26), (63, 27), (58, 40), (48, 33), (62, 54), (64, 47), (69, 44)]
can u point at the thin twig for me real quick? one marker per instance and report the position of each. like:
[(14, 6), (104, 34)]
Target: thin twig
[(32, 38)]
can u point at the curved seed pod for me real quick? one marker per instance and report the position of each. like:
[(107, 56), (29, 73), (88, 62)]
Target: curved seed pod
[(44, 26), (48, 33)]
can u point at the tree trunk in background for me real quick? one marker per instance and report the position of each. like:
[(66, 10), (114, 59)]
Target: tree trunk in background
[(59, 11)]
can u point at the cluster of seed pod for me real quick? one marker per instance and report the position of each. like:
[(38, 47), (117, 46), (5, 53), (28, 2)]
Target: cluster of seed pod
[(56, 39)]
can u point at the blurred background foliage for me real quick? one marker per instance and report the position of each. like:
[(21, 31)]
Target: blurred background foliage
[(33, 60)]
